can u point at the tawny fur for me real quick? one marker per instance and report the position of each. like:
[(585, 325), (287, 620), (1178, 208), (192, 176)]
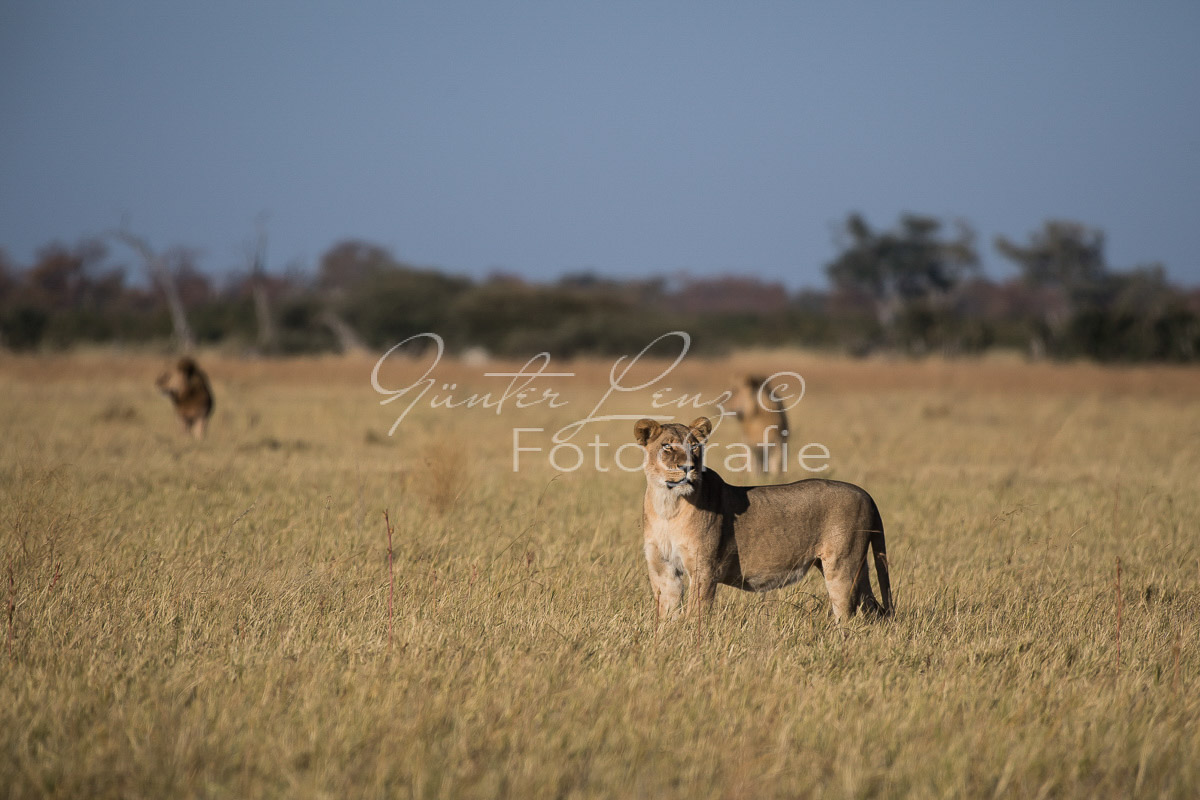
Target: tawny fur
[(702, 531), (763, 419), (190, 393)]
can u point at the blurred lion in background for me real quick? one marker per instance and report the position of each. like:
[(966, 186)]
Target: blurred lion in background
[(764, 420), (187, 386)]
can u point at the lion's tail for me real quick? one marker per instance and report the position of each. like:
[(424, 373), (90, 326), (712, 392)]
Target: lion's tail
[(879, 548)]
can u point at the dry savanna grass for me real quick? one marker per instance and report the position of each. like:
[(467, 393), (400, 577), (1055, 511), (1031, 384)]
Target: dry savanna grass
[(212, 618)]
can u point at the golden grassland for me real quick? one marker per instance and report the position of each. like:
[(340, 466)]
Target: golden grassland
[(212, 619)]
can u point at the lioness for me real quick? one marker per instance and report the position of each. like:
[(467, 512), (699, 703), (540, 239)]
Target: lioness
[(754, 538), (763, 419), (188, 388)]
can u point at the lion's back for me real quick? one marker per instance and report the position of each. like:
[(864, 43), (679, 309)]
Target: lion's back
[(808, 505)]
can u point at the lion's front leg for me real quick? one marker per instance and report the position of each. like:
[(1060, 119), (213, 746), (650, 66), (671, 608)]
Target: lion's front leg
[(701, 593), (666, 581)]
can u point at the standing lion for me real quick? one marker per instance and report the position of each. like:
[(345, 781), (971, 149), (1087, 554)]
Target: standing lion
[(764, 420), (187, 386), (699, 531)]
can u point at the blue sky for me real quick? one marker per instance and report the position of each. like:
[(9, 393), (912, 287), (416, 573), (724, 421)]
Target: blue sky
[(627, 138)]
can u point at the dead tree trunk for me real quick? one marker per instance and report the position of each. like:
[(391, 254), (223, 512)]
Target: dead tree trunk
[(161, 274), (348, 339), (262, 312), (258, 288)]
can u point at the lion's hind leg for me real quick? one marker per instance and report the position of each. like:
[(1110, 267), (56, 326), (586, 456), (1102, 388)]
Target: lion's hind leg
[(842, 591), (865, 597), (849, 587)]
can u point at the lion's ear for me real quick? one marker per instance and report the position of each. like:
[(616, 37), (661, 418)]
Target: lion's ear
[(702, 427), (644, 430)]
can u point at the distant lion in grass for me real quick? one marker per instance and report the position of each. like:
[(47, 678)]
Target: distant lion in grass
[(764, 421), (755, 538), (190, 393)]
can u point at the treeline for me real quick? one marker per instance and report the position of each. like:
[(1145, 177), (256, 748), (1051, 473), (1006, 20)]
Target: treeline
[(915, 288)]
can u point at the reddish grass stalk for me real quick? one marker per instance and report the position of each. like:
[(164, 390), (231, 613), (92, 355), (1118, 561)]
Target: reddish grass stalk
[(1118, 614), (391, 578)]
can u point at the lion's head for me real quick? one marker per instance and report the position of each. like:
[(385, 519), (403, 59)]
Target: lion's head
[(674, 453), (176, 381), (750, 398)]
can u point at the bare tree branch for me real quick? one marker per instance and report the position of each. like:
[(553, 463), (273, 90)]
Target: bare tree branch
[(156, 265)]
